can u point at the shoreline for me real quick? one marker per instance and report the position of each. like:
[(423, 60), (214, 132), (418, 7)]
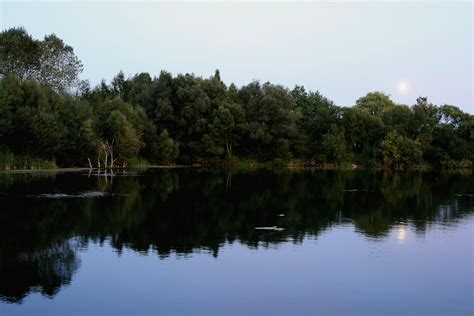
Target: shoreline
[(50, 170), (253, 165), (203, 166), (191, 166)]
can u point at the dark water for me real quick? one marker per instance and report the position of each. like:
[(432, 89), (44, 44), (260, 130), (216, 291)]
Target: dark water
[(184, 242)]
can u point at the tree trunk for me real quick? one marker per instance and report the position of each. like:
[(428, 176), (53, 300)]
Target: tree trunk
[(111, 150), (106, 159), (111, 159), (229, 150)]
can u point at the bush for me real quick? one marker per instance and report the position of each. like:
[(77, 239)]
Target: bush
[(400, 151), (138, 163), (8, 161), (456, 164)]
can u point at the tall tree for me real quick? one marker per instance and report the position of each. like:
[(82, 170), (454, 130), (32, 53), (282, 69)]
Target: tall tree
[(19, 54), (320, 117), (375, 103), (49, 61)]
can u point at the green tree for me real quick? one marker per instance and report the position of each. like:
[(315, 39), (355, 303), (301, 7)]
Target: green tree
[(225, 129), (167, 150), (120, 132), (59, 66), (271, 121), (375, 103), (333, 145), (49, 61), (400, 151), (19, 54), (319, 116), (363, 134)]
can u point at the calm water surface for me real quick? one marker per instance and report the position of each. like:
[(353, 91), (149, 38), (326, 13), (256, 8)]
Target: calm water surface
[(184, 242)]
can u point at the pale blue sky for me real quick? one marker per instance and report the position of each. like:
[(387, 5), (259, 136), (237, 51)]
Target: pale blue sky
[(343, 49)]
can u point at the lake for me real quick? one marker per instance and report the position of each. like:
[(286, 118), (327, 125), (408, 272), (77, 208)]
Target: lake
[(237, 242)]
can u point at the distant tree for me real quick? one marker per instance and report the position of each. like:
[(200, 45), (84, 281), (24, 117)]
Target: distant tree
[(400, 151), (319, 115), (363, 134), (400, 118), (19, 54), (453, 136), (157, 102), (120, 86), (375, 103), (124, 138), (10, 97), (78, 137), (136, 87), (167, 149), (190, 119), (333, 145), (59, 66), (225, 129), (271, 120), (49, 61)]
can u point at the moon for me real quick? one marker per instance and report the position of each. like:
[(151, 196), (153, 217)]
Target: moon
[(403, 87)]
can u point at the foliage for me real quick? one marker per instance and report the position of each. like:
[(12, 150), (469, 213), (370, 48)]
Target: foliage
[(9, 161), (375, 103), (457, 164), (49, 61), (189, 119), (138, 163), (400, 151), (167, 149)]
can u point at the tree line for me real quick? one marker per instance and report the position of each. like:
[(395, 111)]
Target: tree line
[(48, 115)]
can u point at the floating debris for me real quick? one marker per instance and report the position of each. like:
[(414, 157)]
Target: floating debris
[(465, 194), (53, 195), (272, 228), (281, 215), (88, 194), (110, 175)]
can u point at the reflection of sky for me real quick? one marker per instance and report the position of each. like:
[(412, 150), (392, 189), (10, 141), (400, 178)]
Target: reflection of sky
[(342, 49), (342, 272)]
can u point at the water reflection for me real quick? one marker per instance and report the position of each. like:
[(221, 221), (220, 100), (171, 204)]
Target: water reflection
[(45, 219), (401, 234)]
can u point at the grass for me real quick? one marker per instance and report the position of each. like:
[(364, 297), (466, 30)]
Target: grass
[(9, 161)]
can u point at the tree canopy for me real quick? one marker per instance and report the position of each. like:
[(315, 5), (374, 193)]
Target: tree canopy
[(49, 61), (190, 119)]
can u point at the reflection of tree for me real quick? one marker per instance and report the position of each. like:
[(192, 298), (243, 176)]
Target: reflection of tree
[(400, 186), (45, 270), (181, 211)]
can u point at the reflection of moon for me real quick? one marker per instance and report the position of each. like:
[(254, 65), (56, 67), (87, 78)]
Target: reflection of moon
[(402, 87), (401, 234)]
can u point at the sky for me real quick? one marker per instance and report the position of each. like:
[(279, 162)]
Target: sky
[(343, 49)]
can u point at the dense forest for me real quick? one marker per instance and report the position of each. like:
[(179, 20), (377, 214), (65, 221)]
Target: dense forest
[(48, 118)]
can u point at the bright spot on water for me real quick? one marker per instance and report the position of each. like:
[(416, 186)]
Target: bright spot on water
[(401, 234)]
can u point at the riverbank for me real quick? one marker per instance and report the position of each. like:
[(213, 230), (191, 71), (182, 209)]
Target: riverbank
[(50, 170), (207, 166), (253, 165), (192, 166)]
